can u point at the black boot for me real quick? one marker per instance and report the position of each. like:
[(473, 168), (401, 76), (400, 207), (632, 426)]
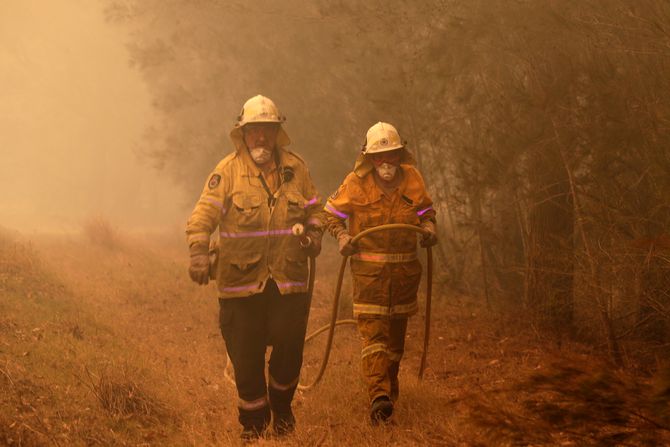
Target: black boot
[(381, 410), (254, 423), (283, 421)]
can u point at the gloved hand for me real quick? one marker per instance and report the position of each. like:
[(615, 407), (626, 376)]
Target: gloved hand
[(345, 245), (314, 247), (430, 238), (199, 268)]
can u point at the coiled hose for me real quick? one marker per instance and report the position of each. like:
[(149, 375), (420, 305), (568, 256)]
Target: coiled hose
[(336, 304)]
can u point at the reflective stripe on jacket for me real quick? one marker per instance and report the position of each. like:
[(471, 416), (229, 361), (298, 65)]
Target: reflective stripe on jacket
[(254, 227), (386, 270)]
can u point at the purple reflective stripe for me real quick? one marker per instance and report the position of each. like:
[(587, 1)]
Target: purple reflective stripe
[(256, 233), (241, 288), (314, 221), (214, 202), (423, 211), (286, 285), (331, 209), (312, 201)]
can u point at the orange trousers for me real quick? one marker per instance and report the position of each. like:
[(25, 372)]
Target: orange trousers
[(383, 341)]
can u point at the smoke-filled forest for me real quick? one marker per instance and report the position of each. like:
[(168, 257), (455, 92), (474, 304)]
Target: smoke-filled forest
[(541, 128)]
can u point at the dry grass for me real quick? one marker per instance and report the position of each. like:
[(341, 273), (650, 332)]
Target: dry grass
[(99, 231), (152, 339), (577, 404), (124, 397)]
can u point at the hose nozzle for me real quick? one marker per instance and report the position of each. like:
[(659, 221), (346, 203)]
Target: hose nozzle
[(298, 230)]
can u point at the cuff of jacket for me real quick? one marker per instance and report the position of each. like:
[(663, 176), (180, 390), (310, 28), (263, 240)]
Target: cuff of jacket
[(199, 248)]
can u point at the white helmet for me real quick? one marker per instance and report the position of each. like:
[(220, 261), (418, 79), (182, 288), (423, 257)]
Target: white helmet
[(259, 109), (382, 137)]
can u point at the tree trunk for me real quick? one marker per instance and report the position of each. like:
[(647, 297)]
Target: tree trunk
[(551, 242)]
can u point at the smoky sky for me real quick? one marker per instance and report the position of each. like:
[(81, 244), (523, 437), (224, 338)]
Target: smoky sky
[(72, 114)]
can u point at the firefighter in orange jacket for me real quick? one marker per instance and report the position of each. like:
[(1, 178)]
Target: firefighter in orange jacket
[(384, 188), (255, 196)]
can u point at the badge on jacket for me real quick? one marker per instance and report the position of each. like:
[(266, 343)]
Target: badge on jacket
[(287, 174), (214, 181)]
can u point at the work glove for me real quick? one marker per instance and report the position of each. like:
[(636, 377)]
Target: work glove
[(199, 268), (313, 248), (429, 238), (345, 245)]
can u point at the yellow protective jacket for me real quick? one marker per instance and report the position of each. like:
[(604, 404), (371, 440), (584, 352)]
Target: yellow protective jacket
[(386, 270), (255, 239)]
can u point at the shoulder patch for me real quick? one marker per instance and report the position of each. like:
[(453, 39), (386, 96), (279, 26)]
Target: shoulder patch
[(214, 181), (334, 195)]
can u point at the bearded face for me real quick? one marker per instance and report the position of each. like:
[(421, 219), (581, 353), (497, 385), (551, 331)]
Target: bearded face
[(260, 139)]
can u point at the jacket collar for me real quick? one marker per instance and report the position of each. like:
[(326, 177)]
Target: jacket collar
[(283, 158)]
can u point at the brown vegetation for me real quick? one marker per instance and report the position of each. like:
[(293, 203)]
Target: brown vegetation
[(540, 126), (100, 231), (125, 350), (123, 397)]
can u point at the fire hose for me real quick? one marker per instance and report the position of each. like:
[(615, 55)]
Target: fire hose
[(336, 302)]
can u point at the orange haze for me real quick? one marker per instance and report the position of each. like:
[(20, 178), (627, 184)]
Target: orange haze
[(72, 112)]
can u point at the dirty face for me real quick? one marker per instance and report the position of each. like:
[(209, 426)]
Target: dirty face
[(386, 164), (260, 139)]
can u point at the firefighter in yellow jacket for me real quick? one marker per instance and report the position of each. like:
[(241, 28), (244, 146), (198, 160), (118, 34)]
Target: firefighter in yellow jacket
[(384, 188), (253, 198)]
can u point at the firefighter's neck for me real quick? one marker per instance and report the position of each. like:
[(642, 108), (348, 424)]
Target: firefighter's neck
[(268, 166), (388, 186)]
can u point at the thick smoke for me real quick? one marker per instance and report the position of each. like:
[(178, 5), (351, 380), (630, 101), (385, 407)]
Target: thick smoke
[(72, 115)]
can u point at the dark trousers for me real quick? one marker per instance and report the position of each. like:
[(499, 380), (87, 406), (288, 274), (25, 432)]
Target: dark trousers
[(249, 325)]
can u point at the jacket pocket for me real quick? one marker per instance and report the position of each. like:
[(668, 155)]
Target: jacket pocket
[(295, 208), (248, 212), (295, 267), (405, 213), (406, 279), (239, 269), (371, 215)]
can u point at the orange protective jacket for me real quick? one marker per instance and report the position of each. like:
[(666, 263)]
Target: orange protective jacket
[(386, 270)]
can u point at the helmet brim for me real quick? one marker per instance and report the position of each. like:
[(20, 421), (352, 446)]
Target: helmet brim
[(364, 166), (237, 135)]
